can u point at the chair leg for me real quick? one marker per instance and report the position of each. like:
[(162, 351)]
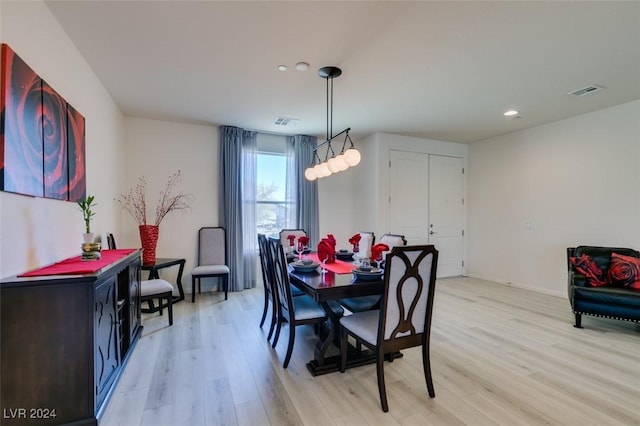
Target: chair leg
[(170, 307), (226, 287), (193, 289), (292, 338), (578, 323), (381, 386), (278, 327), (264, 311), (160, 304), (426, 366), (273, 322)]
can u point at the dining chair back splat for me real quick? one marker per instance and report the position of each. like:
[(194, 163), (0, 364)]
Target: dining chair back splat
[(151, 289), (111, 241), (270, 295), (212, 259), (393, 240), (404, 319), (294, 310), (367, 240), (284, 233)]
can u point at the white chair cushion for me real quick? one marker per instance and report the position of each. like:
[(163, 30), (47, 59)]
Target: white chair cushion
[(306, 308), (157, 286), (360, 304), (364, 325), (210, 270)]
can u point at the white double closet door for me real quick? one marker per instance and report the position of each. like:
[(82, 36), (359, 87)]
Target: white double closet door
[(426, 204)]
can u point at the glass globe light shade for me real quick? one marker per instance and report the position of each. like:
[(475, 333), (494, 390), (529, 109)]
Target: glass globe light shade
[(318, 171), (333, 165), (342, 164), (325, 169), (352, 157), (310, 174)]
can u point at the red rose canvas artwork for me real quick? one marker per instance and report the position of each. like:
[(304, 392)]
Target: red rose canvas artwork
[(75, 150), (42, 137), (53, 116), (21, 156)]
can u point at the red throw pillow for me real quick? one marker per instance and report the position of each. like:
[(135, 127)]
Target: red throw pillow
[(624, 271), (585, 265)]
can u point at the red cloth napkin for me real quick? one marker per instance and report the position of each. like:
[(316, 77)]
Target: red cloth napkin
[(303, 241), (291, 239), (327, 250), (332, 241), (376, 251)]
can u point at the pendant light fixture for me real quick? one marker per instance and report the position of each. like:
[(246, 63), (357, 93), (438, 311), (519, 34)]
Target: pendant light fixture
[(332, 162)]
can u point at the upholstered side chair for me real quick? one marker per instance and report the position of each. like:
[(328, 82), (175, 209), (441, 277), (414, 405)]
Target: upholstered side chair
[(404, 318), (212, 259)]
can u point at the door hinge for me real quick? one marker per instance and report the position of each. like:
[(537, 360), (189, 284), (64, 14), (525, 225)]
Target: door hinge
[(389, 199), (463, 263), (463, 170), (463, 232), (389, 163), (463, 201)]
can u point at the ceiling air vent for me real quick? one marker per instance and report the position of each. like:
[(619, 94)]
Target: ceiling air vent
[(589, 90), (286, 121)]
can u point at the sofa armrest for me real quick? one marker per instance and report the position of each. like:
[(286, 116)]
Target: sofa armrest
[(575, 280)]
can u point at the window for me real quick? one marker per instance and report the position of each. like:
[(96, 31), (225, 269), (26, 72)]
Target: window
[(274, 209)]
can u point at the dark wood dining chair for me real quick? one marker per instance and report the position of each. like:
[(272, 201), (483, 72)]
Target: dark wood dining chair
[(296, 311), (212, 259), (151, 289), (404, 319), (363, 303), (270, 295)]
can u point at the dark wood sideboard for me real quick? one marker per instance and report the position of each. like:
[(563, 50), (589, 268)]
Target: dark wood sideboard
[(64, 342)]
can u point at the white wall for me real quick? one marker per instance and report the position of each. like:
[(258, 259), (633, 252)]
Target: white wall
[(575, 181), (36, 231), (157, 149)]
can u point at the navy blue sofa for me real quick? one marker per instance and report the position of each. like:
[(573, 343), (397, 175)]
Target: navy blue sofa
[(604, 300)]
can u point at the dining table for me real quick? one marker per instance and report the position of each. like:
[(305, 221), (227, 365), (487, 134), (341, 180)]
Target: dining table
[(325, 286)]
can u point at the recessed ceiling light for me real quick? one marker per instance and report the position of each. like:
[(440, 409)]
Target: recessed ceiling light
[(302, 66), (511, 113), (282, 67)]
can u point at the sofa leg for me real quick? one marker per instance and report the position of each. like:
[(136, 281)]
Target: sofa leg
[(578, 323)]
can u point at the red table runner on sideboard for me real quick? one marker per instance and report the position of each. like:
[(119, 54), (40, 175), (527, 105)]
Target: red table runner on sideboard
[(76, 266)]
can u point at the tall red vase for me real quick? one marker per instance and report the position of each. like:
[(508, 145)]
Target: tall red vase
[(149, 239)]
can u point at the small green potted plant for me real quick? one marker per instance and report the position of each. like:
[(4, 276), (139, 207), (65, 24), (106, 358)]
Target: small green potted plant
[(86, 205)]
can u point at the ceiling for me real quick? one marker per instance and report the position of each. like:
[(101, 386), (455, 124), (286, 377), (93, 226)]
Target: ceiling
[(438, 70)]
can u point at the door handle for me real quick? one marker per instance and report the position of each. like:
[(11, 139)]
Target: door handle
[(431, 232)]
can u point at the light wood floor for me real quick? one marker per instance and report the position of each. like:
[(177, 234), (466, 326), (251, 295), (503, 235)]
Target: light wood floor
[(499, 355)]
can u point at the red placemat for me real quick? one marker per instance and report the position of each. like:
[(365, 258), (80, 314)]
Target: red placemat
[(76, 266), (338, 267)]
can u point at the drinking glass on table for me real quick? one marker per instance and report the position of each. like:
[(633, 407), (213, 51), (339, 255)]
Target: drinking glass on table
[(323, 265)]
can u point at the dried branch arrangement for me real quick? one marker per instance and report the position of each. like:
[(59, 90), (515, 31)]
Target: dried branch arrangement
[(136, 205)]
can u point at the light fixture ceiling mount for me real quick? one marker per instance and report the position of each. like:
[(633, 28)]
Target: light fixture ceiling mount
[(344, 159)]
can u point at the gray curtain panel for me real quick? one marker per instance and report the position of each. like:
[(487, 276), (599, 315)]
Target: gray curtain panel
[(306, 195), (237, 196)]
